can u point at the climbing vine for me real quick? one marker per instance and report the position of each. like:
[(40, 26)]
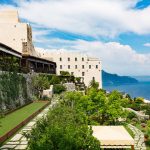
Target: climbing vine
[(13, 90), (13, 86)]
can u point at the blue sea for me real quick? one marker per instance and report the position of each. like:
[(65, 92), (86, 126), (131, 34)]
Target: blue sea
[(141, 89)]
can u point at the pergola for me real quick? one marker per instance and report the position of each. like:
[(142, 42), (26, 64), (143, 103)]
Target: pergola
[(38, 65), (26, 63), (8, 57), (113, 137)]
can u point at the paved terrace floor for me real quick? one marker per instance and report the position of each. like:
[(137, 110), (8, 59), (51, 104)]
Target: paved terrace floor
[(20, 142)]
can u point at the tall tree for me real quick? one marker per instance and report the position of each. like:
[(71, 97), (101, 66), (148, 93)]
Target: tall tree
[(40, 83)]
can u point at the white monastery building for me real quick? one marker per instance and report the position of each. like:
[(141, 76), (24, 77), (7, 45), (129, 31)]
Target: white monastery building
[(14, 33), (77, 64)]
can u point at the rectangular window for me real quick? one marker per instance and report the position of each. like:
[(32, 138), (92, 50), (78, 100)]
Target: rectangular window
[(82, 59), (76, 59), (72, 73), (60, 66), (83, 73), (68, 66), (89, 66), (60, 59), (76, 66), (82, 66), (96, 66), (68, 59)]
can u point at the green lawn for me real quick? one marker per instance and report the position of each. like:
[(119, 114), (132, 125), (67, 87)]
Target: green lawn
[(14, 118)]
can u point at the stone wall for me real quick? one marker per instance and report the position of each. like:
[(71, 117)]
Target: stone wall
[(139, 114)]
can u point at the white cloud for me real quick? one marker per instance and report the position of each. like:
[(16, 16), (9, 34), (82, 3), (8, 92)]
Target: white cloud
[(116, 58), (147, 44), (87, 17)]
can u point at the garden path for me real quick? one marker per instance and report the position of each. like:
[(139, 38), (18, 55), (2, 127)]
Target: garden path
[(19, 141), (138, 139)]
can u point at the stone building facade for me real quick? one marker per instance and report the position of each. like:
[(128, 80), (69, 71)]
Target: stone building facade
[(77, 64), (16, 34)]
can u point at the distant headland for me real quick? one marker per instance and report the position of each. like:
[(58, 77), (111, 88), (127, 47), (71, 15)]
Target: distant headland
[(114, 79)]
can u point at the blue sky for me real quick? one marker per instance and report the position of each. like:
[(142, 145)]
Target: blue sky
[(116, 31), (142, 4)]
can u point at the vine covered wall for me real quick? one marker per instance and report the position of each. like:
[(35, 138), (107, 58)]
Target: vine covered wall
[(14, 90)]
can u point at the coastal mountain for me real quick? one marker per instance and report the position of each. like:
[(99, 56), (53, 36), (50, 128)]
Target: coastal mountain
[(114, 79)]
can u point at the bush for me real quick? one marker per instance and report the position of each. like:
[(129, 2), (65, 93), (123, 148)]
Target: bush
[(147, 142), (128, 97), (147, 109), (64, 128), (125, 102), (58, 88), (135, 106), (64, 73), (34, 98), (131, 115), (78, 79), (45, 98), (139, 100), (49, 76), (94, 84), (55, 80)]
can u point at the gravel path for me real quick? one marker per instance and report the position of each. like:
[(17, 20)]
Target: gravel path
[(138, 139)]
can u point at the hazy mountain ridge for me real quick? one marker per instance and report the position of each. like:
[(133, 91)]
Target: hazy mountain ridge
[(114, 79)]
